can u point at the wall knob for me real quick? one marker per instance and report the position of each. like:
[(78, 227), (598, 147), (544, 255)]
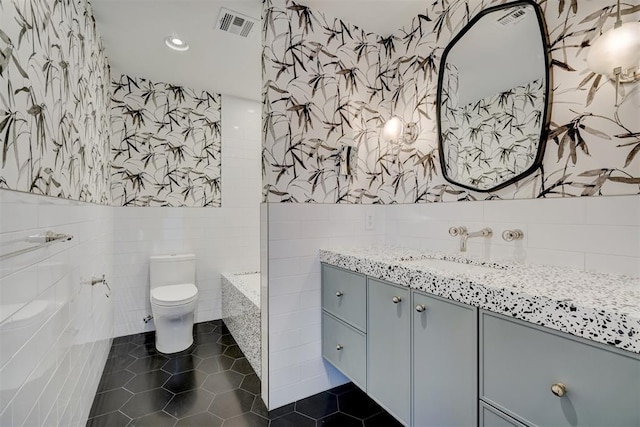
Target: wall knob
[(339, 294), (339, 347), (396, 300), (559, 389), (457, 231), (420, 308), (510, 235)]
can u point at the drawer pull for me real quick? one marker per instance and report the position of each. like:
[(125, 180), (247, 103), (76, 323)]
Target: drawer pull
[(559, 389), (339, 347), (420, 308), (339, 294), (396, 300)]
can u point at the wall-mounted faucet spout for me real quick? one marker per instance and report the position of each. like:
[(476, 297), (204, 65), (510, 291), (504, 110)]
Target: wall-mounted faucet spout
[(465, 235)]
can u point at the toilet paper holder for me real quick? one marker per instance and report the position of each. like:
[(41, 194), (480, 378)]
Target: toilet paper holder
[(100, 279)]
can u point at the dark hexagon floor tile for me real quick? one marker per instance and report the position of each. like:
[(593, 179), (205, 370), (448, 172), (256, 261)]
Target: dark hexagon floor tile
[(122, 340), (339, 420), (203, 328), (318, 406), (341, 389), (144, 350), (118, 363), (248, 419), (251, 383), (189, 403), (293, 419), (227, 340), (147, 364), (356, 403), (210, 338), (147, 381), (112, 419), (144, 338), (114, 380), (383, 419), (155, 419), (179, 364), (259, 407), (147, 402), (242, 366), (233, 351), (185, 381), (283, 410), (109, 401), (232, 403), (222, 381), (121, 349), (225, 362), (209, 365), (200, 420), (209, 349)]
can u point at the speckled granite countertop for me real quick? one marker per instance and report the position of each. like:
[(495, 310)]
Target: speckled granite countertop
[(600, 307)]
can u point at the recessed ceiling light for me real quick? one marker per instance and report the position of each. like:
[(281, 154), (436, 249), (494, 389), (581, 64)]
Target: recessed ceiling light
[(251, 111), (176, 43)]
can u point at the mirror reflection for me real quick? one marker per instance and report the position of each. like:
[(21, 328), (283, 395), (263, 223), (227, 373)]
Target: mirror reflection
[(493, 97)]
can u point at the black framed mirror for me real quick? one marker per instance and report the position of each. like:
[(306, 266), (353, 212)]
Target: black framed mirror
[(493, 98)]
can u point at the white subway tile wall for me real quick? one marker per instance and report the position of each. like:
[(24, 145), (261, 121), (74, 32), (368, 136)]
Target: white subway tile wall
[(588, 233), (594, 233), (296, 233), (55, 328), (223, 239)]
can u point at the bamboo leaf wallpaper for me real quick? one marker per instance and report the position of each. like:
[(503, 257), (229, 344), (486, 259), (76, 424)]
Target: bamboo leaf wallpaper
[(503, 131), (166, 145), (327, 84), (54, 101)]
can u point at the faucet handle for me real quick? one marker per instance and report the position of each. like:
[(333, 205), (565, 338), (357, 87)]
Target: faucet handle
[(510, 235), (457, 231)]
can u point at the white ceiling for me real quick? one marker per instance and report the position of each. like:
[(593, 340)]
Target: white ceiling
[(134, 32)]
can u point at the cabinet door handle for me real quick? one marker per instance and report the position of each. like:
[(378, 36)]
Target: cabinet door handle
[(339, 347), (559, 389), (339, 294), (420, 308), (396, 300)]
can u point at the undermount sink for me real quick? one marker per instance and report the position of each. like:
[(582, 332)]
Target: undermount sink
[(445, 265)]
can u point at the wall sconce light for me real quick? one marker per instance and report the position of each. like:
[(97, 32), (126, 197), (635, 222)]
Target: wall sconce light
[(616, 53), (397, 130)]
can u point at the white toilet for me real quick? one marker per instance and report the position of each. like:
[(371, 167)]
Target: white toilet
[(174, 296)]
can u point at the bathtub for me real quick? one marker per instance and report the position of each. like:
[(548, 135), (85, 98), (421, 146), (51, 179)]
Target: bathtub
[(241, 313)]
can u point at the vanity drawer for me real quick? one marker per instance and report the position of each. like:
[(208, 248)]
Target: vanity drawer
[(345, 347), (490, 417), (519, 363), (344, 294)]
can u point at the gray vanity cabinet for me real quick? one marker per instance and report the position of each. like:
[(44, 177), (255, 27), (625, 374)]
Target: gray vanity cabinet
[(344, 307), (544, 378), (444, 362), (389, 347)]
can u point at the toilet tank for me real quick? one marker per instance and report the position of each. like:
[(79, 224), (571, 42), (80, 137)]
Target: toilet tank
[(172, 270)]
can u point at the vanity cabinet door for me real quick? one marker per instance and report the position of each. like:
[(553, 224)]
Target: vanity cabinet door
[(389, 347), (344, 294), (444, 362), (345, 347), (546, 378)]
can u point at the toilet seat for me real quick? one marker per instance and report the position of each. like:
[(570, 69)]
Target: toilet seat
[(174, 294)]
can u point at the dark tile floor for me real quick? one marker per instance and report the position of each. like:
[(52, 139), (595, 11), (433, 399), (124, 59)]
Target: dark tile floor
[(211, 384)]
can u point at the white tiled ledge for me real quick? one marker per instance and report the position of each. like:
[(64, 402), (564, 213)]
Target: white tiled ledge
[(600, 307)]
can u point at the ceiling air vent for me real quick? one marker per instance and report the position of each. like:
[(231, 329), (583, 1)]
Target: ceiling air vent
[(512, 17), (235, 23)]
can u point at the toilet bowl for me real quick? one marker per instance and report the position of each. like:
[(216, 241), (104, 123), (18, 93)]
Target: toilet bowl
[(174, 297)]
